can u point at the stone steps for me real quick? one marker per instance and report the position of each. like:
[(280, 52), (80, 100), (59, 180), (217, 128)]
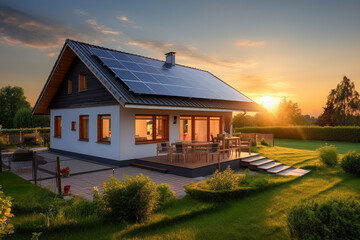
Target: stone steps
[(269, 165), (278, 169)]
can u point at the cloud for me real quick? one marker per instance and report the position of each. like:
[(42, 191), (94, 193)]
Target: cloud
[(21, 29), (127, 22), (102, 28), (248, 43), (80, 12), (190, 53)]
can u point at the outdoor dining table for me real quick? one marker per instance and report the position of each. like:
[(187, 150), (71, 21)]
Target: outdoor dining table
[(226, 143), (193, 145)]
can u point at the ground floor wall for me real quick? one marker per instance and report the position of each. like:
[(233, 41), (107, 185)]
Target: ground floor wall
[(69, 140)]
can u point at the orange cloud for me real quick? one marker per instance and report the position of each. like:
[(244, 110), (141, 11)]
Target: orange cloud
[(248, 43)]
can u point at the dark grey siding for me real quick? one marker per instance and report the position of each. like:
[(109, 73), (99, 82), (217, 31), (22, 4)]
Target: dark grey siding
[(95, 95)]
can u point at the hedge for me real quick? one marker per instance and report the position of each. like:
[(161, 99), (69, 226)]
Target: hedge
[(24, 130), (194, 191), (341, 134)]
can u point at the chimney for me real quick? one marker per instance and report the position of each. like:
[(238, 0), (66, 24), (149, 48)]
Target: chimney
[(170, 58)]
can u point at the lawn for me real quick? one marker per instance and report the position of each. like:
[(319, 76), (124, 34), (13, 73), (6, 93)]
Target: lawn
[(343, 147), (259, 216)]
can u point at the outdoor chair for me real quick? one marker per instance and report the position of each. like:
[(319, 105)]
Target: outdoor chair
[(213, 149), (246, 145), (163, 148), (179, 150)]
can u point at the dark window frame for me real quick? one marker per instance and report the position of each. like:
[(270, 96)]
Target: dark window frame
[(100, 128), (82, 82), (154, 140), (81, 133), (57, 126)]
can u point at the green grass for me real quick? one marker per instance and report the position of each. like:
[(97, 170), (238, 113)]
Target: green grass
[(343, 147), (259, 216)]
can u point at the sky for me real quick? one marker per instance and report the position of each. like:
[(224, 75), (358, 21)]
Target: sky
[(267, 50)]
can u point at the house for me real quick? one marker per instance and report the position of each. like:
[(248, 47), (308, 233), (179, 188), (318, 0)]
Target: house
[(113, 106)]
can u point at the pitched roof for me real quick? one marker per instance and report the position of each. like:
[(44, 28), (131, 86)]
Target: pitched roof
[(119, 90)]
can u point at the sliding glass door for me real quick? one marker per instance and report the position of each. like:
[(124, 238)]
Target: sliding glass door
[(199, 128)]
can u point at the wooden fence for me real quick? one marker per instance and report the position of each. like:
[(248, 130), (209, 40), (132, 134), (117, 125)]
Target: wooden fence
[(257, 137)]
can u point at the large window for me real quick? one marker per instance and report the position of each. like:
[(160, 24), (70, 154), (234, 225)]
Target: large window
[(104, 128), (82, 82), (199, 128), (84, 127), (151, 128), (57, 126)]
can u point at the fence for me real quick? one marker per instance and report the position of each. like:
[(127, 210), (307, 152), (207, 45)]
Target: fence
[(257, 137), (20, 138)]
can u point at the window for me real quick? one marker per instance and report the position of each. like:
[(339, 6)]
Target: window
[(69, 86), (73, 126), (199, 128), (151, 128), (57, 126), (82, 82), (84, 127), (104, 128)]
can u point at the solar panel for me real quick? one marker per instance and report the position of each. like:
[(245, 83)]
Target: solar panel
[(148, 76)]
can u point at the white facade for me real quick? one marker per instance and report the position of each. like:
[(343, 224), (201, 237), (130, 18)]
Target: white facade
[(122, 145)]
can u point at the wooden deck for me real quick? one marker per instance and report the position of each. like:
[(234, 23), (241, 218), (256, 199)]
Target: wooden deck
[(192, 167)]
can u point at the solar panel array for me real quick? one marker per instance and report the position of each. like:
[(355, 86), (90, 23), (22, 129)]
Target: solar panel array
[(148, 76)]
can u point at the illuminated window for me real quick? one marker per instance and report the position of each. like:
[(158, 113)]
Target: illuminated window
[(57, 126), (199, 128), (84, 127), (73, 126), (82, 82), (69, 86), (104, 128), (151, 128)]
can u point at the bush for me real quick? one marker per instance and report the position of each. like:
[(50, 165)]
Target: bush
[(132, 200), (342, 134), (332, 219), (24, 130), (328, 154), (351, 163), (264, 142), (165, 194), (5, 215), (25, 119), (225, 180)]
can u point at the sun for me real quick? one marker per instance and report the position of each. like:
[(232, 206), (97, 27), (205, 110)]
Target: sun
[(268, 102)]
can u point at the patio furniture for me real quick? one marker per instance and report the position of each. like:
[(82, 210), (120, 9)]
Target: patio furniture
[(163, 148), (213, 149), (246, 145), (179, 149)]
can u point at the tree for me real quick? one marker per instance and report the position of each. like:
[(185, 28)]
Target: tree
[(289, 113), (342, 106), (25, 119), (11, 100)]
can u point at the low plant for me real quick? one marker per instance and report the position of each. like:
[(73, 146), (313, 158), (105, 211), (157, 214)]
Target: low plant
[(329, 155), (225, 180), (331, 219), (65, 171), (351, 163), (5, 215), (132, 200), (264, 142), (165, 194)]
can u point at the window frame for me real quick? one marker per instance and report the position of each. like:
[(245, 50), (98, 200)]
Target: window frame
[(208, 124), (81, 138), (100, 127), (154, 128), (57, 127), (82, 88), (73, 126)]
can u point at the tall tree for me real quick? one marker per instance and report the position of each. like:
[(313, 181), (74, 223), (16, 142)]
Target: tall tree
[(289, 113), (342, 106), (11, 100)]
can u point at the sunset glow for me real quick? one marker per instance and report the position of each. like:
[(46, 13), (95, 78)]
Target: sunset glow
[(269, 102)]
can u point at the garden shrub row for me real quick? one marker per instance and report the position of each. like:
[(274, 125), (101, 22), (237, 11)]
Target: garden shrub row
[(342, 134), (24, 130)]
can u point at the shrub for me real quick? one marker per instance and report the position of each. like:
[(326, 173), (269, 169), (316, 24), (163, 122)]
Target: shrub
[(351, 163), (133, 199), (225, 180), (165, 194), (328, 154), (264, 142), (5, 215), (332, 219)]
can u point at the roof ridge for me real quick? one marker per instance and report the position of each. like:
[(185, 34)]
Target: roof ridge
[(106, 48)]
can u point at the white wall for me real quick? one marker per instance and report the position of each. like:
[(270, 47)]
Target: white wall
[(69, 139), (130, 150)]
